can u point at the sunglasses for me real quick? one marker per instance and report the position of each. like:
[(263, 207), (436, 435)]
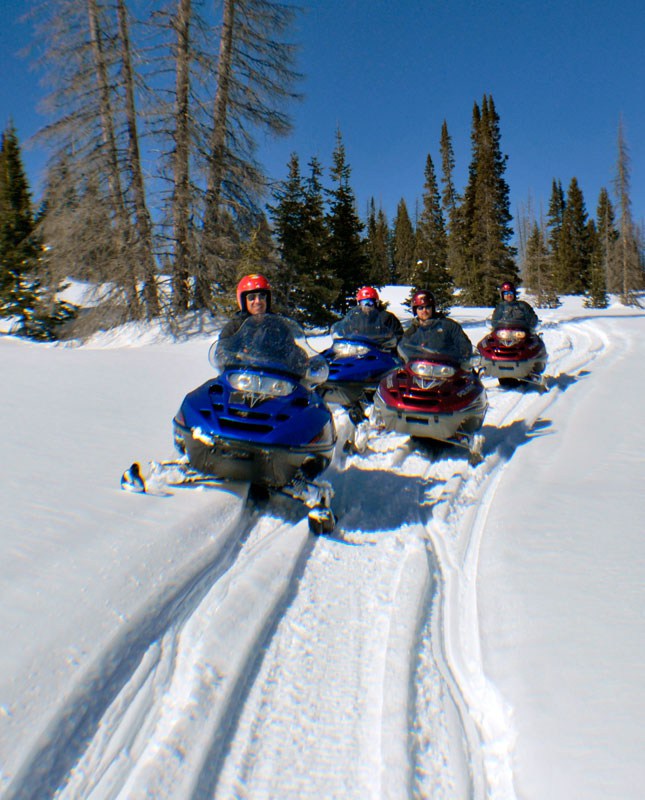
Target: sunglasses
[(421, 308), (368, 302), (251, 296)]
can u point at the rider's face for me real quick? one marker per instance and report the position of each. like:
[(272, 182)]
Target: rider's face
[(424, 313), (256, 302)]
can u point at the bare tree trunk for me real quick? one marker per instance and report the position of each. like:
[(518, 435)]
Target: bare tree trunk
[(216, 156), (142, 216), (181, 198), (114, 181), (109, 141), (628, 254)]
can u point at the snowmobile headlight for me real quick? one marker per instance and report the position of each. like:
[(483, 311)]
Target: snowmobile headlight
[(317, 371), (350, 349), (510, 337), (252, 383), (426, 370)]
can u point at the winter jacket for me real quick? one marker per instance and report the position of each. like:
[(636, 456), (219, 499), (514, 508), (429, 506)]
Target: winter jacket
[(440, 335), (269, 337), (373, 323), (515, 312)]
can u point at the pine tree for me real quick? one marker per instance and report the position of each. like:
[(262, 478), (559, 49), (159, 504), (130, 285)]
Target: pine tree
[(574, 251), (378, 246), (403, 244), (430, 270), (605, 250), (450, 201), (305, 284), (596, 295), (485, 213), (537, 274), (555, 214), (348, 259), (23, 295), (17, 249)]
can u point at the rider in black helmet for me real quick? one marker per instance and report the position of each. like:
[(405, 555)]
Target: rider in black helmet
[(435, 332), (513, 311)]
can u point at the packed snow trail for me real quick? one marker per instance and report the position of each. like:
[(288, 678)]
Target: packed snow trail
[(288, 666)]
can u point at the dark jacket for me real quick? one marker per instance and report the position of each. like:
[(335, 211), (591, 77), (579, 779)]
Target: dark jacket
[(440, 335), (234, 324), (269, 338), (515, 312), (373, 323)]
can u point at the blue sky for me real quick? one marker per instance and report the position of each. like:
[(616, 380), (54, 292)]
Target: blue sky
[(388, 73)]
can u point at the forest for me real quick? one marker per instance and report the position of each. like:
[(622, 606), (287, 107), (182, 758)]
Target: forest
[(155, 195)]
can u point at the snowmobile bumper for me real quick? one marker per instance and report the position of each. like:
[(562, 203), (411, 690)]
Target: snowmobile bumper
[(454, 427), (240, 460)]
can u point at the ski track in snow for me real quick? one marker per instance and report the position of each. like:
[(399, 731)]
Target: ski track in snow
[(239, 684)]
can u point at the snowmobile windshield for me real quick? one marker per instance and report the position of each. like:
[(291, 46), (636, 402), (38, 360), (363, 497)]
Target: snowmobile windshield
[(513, 315), (429, 344), (266, 341), (365, 325)]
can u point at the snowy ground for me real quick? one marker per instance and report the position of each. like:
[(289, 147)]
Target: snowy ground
[(467, 632)]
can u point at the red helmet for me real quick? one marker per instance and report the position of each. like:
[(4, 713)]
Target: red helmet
[(423, 298), (367, 293), (252, 283), (507, 286)]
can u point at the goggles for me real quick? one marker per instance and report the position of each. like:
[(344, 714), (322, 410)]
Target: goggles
[(251, 296), (367, 302), (424, 306)]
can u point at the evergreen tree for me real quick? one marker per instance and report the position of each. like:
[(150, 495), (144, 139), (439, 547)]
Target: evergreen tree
[(574, 251), (23, 295), (306, 286), (378, 246), (430, 270), (348, 259), (605, 251), (17, 247), (596, 295), (555, 215), (450, 201), (486, 214), (537, 275), (403, 244)]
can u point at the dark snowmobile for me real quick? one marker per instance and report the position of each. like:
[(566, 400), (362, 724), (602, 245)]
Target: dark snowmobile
[(514, 354), (261, 420), (433, 397)]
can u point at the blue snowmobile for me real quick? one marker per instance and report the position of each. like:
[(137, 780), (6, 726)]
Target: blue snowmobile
[(362, 352), (261, 420)]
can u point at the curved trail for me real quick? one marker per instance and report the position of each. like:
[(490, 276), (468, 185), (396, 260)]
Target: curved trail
[(344, 666)]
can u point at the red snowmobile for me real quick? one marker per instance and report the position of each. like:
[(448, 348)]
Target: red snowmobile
[(514, 354), (433, 397)]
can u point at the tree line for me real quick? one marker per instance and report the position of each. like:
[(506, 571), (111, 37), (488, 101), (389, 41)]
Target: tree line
[(155, 195)]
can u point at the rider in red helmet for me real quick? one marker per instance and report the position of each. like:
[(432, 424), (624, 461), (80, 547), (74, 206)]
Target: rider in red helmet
[(513, 311), (373, 313), (434, 331), (253, 297), (273, 330)]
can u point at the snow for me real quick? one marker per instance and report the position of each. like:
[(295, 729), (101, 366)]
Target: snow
[(466, 632)]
